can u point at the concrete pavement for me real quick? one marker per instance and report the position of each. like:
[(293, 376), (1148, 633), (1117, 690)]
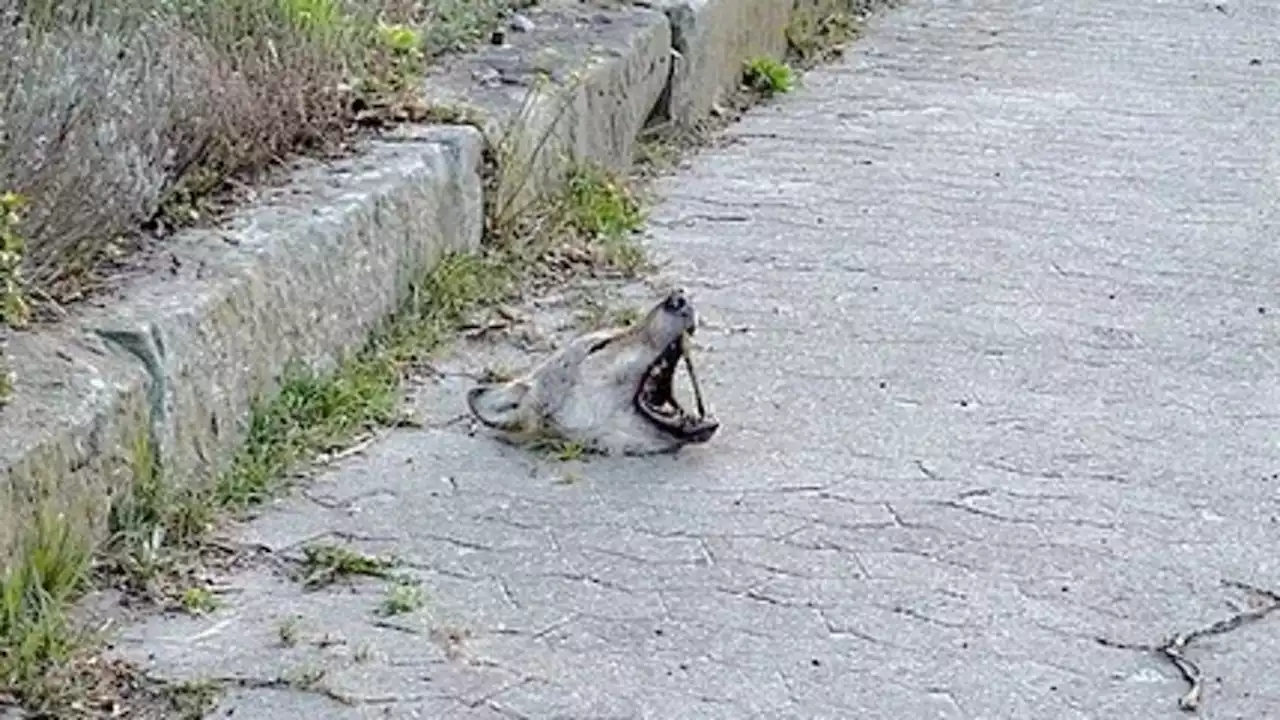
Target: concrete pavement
[(993, 327)]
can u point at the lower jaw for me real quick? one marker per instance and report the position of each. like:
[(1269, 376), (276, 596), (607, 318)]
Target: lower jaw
[(686, 429)]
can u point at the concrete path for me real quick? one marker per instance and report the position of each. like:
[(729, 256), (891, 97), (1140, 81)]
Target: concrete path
[(994, 329)]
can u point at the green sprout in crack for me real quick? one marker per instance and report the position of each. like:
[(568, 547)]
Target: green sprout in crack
[(324, 564), (404, 596), (768, 77), (571, 451), (199, 601)]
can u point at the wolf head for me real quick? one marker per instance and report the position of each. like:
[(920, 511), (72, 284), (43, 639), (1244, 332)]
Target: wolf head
[(610, 390)]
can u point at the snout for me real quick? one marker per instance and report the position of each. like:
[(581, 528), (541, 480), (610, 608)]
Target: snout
[(677, 304)]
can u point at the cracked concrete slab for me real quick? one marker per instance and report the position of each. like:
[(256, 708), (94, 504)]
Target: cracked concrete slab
[(991, 323)]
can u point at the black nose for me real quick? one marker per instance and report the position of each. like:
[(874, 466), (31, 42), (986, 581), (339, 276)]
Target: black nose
[(676, 302)]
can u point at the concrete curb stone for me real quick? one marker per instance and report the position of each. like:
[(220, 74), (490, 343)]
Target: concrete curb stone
[(304, 273), (608, 69)]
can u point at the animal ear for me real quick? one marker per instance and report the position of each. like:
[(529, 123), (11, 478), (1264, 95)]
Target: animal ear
[(498, 405)]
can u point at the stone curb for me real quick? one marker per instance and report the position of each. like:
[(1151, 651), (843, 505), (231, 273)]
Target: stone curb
[(309, 269)]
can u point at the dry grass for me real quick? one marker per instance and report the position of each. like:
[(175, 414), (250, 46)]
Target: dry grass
[(124, 116)]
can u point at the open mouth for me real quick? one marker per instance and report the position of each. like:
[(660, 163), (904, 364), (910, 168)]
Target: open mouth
[(656, 401)]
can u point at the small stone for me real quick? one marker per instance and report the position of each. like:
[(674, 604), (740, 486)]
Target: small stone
[(521, 23), (488, 76)]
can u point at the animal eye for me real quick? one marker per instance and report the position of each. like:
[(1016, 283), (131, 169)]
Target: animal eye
[(676, 302), (600, 345)]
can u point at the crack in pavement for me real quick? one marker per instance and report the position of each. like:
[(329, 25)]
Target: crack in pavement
[(1173, 648)]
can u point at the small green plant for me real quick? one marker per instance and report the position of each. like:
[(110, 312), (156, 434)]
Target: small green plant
[(571, 451), (402, 597), (401, 39), (199, 601), (402, 46), (768, 77), (604, 211), (599, 204), (323, 564), (14, 310)]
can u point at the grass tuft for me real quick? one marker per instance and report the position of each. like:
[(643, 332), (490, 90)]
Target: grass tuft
[(35, 636), (311, 413)]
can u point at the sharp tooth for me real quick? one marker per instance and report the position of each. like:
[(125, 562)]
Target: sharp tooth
[(693, 378)]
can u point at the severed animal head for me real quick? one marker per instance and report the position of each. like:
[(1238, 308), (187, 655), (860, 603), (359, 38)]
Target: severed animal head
[(610, 391)]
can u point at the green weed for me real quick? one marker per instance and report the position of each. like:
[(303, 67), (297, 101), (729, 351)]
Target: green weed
[(402, 597), (324, 564), (199, 601), (604, 211), (768, 77)]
